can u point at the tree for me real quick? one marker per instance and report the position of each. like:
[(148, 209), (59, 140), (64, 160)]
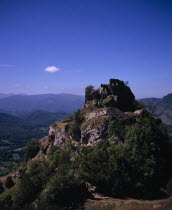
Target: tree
[(38, 172), (89, 88), (88, 91), (94, 167), (31, 149), (144, 152), (9, 182), (24, 192)]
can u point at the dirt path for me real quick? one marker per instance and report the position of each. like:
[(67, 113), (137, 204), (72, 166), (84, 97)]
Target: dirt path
[(106, 203)]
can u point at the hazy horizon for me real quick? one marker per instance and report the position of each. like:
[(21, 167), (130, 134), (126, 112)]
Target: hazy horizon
[(27, 94)]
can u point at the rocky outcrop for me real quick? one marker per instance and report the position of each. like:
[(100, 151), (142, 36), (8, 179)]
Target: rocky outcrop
[(103, 112), (92, 130), (90, 125), (95, 126), (58, 132)]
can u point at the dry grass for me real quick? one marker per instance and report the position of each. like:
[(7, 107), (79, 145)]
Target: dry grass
[(106, 203)]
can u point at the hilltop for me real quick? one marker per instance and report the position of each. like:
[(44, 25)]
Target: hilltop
[(90, 124), (110, 148)]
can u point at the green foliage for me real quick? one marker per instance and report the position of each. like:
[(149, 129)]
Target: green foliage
[(77, 117), (24, 192), (59, 156), (38, 171), (138, 105), (134, 168), (10, 156), (120, 172), (55, 156), (9, 182), (31, 182), (88, 89), (31, 149), (65, 189), (74, 129), (94, 167), (116, 129), (143, 148), (6, 204), (107, 101)]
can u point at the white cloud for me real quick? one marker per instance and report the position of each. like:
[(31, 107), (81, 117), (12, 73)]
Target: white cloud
[(51, 69)]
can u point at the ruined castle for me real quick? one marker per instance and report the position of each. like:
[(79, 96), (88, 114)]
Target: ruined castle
[(115, 94)]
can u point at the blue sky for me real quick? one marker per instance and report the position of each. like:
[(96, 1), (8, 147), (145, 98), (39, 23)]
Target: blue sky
[(82, 42)]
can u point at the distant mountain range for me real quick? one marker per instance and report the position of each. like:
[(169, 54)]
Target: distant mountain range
[(28, 116), (150, 101), (43, 118), (22, 104), (4, 95), (32, 125), (160, 107), (14, 129)]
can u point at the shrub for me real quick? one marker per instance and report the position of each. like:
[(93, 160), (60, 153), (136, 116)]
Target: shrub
[(9, 182), (55, 156), (6, 203), (116, 129), (39, 172), (138, 105), (74, 129)]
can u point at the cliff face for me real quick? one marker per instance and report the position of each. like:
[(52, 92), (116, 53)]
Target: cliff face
[(58, 133), (90, 124), (95, 126), (92, 129)]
